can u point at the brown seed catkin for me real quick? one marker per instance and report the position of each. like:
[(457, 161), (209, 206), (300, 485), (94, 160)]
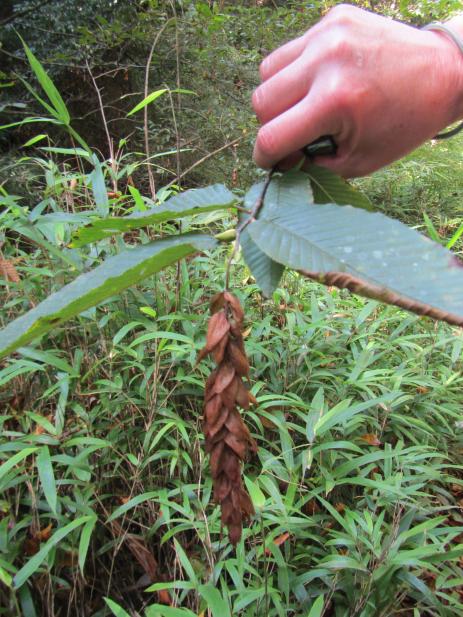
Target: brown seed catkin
[(228, 440)]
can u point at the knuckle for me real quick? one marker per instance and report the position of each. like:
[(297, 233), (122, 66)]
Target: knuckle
[(343, 14), (338, 45)]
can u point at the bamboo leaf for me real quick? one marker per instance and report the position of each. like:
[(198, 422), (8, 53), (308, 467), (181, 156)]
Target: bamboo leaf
[(89, 289), (194, 201), (48, 87), (34, 563), (47, 477)]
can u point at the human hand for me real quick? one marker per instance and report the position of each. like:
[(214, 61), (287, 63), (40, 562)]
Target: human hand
[(379, 87)]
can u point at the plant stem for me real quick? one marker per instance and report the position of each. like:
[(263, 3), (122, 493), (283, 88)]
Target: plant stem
[(242, 226)]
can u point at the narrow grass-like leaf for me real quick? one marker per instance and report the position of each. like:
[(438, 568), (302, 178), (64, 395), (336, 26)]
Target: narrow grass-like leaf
[(89, 289), (84, 542), (194, 201), (47, 477), (155, 95), (159, 610), (132, 503), (214, 600), (14, 460), (317, 607), (48, 86), (186, 564), (34, 562), (116, 610)]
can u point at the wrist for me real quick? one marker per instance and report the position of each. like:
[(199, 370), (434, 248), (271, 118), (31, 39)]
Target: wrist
[(454, 64)]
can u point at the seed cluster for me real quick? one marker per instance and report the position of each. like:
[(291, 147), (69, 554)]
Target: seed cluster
[(228, 440)]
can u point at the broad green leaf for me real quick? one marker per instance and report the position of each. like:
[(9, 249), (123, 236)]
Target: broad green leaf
[(317, 607), (215, 602), (365, 252), (194, 201), (48, 87), (266, 271), (328, 187), (116, 610), (47, 476), (34, 562), (89, 289)]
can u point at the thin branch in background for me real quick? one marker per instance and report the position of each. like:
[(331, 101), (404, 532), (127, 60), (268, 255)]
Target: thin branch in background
[(201, 160), (105, 124), (145, 111)]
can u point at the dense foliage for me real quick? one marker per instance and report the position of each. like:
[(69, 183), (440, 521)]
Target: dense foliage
[(105, 488)]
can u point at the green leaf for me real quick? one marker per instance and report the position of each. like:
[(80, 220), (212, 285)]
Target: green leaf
[(257, 496), (14, 460), (159, 610), (155, 95), (116, 610), (265, 270), (34, 562), (328, 187), (89, 289), (214, 600), (147, 100), (194, 201), (97, 182), (317, 607), (47, 477), (365, 252), (84, 542), (185, 562), (48, 86), (135, 501), (34, 140)]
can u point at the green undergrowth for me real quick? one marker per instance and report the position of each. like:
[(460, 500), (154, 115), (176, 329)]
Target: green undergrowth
[(356, 482)]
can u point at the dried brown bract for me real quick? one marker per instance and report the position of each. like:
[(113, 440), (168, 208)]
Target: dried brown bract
[(227, 438)]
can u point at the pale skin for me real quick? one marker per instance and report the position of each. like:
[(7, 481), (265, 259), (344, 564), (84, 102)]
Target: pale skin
[(379, 87)]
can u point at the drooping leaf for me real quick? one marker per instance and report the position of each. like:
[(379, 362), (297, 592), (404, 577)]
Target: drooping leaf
[(89, 289), (194, 201), (328, 187), (366, 252), (290, 187)]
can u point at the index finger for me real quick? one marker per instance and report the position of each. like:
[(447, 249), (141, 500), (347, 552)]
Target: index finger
[(281, 57)]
